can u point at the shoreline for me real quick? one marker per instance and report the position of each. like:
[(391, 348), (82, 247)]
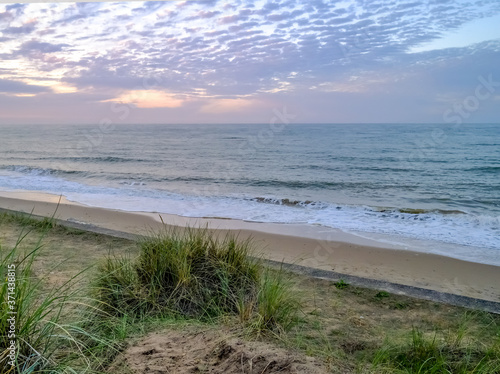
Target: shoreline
[(304, 245)]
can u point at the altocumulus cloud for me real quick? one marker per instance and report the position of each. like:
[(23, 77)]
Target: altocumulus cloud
[(231, 61)]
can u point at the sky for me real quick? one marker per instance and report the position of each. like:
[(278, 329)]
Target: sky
[(243, 61)]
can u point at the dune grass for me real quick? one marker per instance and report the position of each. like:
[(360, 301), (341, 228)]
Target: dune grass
[(277, 302), (192, 273), (33, 337)]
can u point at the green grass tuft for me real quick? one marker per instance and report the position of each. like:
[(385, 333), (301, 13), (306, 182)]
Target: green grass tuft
[(192, 273), (341, 284), (277, 302), (33, 336), (429, 355), (28, 221), (382, 294)]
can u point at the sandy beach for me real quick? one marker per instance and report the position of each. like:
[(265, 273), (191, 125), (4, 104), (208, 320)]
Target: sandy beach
[(306, 245)]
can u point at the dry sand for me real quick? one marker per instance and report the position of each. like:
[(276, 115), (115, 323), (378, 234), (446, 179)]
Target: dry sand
[(210, 351), (311, 246)]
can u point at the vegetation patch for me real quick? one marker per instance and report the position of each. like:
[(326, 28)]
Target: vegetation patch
[(186, 283), (382, 294), (341, 284), (192, 273), (429, 354), (33, 336)]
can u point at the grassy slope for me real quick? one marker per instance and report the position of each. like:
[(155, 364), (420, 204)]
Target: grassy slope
[(350, 328)]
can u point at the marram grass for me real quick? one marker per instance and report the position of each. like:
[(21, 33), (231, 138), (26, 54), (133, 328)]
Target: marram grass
[(195, 274), (277, 302), (33, 337)]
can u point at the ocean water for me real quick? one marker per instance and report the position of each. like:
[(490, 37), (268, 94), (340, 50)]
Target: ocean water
[(433, 182)]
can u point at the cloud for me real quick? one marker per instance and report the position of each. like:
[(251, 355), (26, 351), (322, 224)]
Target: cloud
[(6, 16), (35, 46), (207, 14), (70, 19), (229, 19), (149, 99), (216, 106), (16, 7), (74, 13), (70, 108), (241, 49), (40, 51), (16, 87), (268, 7), (325, 40), (27, 28)]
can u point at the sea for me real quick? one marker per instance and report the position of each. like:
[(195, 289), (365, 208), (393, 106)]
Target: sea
[(437, 184)]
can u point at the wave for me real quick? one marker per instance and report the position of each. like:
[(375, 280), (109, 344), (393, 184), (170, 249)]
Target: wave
[(324, 205), (354, 167), (35, 171), (258, 183), (374, 185), (387, 169), (288, 202), (105, 159), (485, 169), (417, 211)]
